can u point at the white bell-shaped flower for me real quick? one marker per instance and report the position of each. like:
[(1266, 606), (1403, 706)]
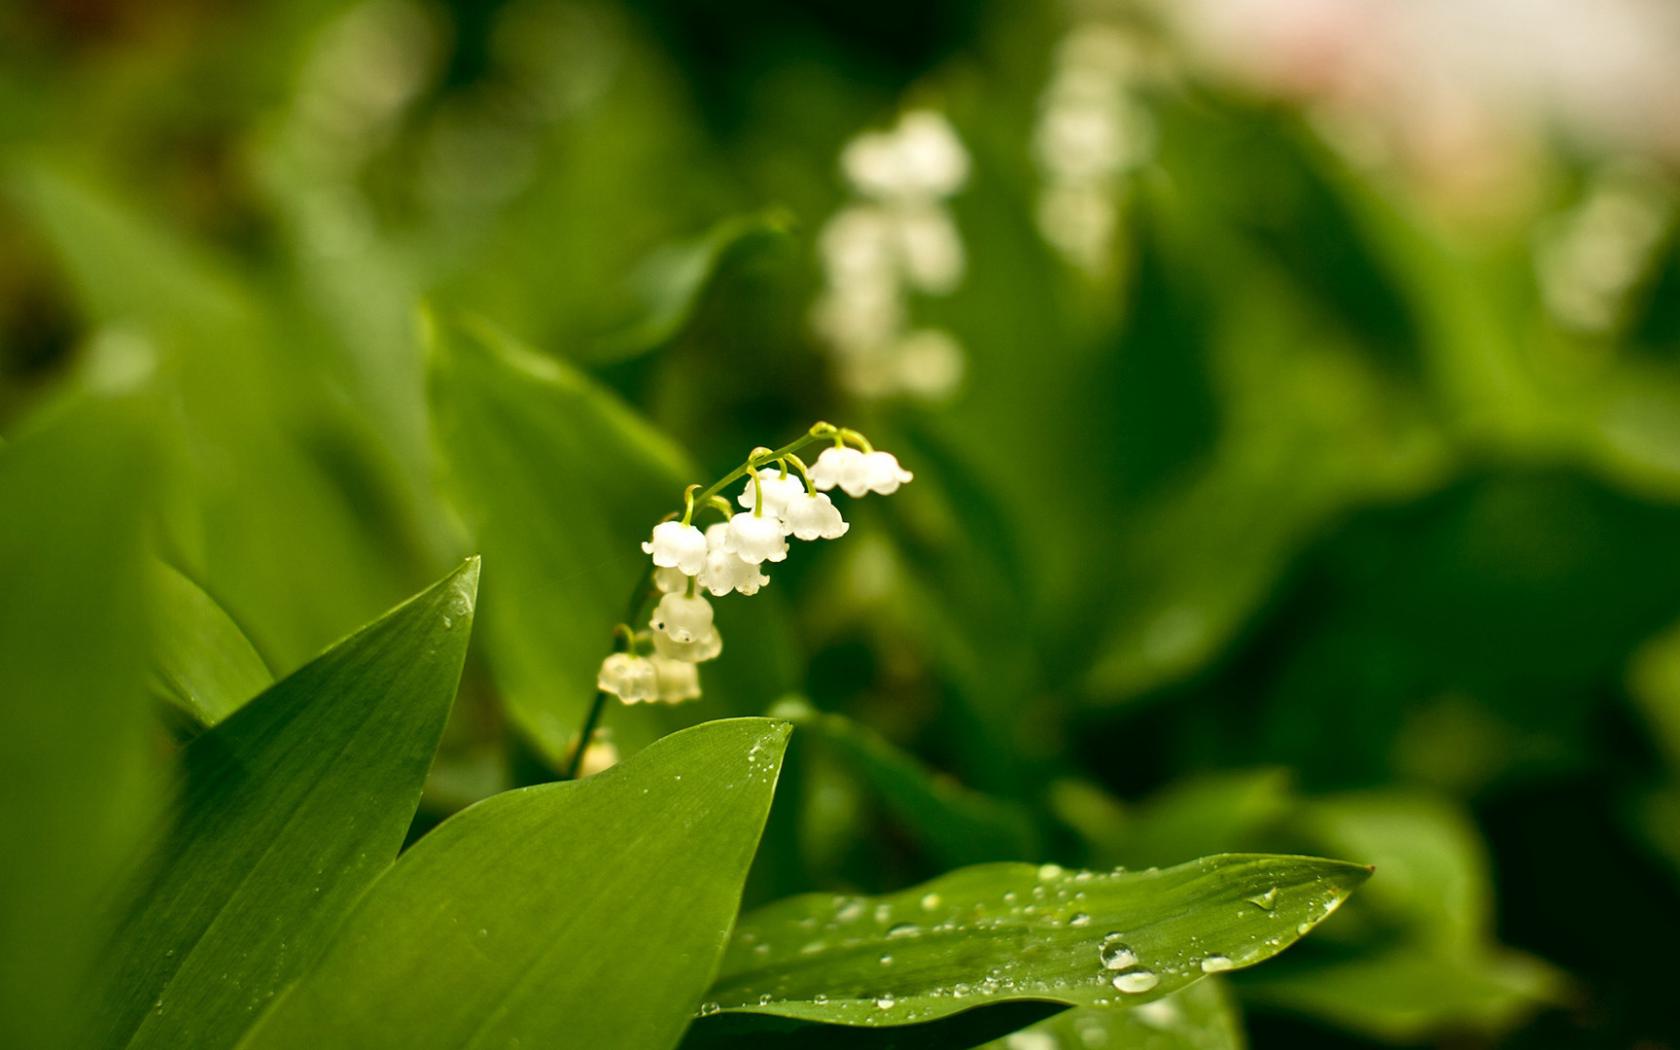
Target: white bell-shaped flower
[(815, 517), (725, 571), (677, 546), (932, 161), (779, 491), (629, 677), (682, 617), (881, 473), (706, 647), (757, 539), (670, 581), (679, 680), (840, 466)]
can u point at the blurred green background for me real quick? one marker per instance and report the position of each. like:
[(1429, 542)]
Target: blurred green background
[(1300, 470)]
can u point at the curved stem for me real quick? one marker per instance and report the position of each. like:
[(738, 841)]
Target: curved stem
[(589, 722)]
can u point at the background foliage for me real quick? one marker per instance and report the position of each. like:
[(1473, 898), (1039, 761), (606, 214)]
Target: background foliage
[(1337, 517)]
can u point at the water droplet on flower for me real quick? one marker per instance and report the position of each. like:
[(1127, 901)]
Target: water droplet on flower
[(1216, 964), (1115, 954), (1136, 982)]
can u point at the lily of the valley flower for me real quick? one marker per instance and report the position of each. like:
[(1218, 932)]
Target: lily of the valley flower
[(629, 677), (677, 545), (757, 538), (725, 570), (779, 491), (814, 517), (682, 617), (781, 498)]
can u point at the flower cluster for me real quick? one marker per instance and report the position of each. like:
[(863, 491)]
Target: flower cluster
[(780, 498), (1091, 130), (896, 238)]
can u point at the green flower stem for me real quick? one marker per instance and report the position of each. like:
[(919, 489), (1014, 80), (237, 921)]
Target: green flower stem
[(636, 609)]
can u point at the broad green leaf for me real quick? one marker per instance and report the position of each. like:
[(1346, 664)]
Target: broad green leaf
[(202, 663), (955, 825), (560, 482), (73, 718), (590, 913), (1202, 1016), (290, 808), (1006, 932), (1412, 992)]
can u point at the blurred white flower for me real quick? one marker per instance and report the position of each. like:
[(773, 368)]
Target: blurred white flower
[(670, 581), (679, 680), (900, 238), (677, 546), (629, 677), (1091, 130)]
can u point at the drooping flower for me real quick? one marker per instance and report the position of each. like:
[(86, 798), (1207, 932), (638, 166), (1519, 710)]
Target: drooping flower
[(814, 517), (679, 680), (677, 546), (706, 647), (725, 570), (629, 677), (836, 466), (682, 617), (881, 474), (778, 491), (670, 581), (757, 539)]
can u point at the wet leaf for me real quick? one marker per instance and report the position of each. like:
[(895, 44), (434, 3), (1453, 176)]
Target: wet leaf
[(1010, 932)]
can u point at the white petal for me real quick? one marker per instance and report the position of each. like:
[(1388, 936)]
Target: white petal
[(757, 539), (677, 546), (833, 465), (682, 618), (881, 473), (777, 490), (816, 517), (679, 680)]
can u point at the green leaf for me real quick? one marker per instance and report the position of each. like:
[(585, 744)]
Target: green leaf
[(588, 913), (1202, 1016), (74, 730), (290, 808), (1411, 993), (954, 824), (670, 283), (202, 663), (1008, 932), (559, 481)]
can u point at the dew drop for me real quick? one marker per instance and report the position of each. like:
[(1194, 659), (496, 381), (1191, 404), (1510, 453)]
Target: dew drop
[(1216, 964), (1079, 918), (1136, 982), (708, 1009), (886, 959), (1115, 954), (1046, 872), (1265, 901), (765, 999), (849, 911), (885, 1002), (930, 901), (904, 929)]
